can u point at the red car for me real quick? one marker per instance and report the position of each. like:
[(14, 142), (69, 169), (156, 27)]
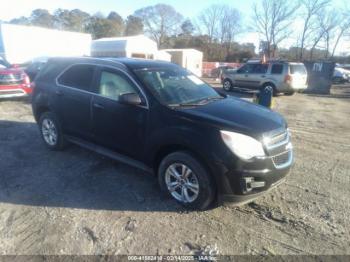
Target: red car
[(14, 82)]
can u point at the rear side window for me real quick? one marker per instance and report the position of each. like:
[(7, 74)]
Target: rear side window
[(260, 69), (276, 69), (78, 76), (297, 69)]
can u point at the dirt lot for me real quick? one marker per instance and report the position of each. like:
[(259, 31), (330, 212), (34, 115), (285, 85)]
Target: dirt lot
[(77, 202)]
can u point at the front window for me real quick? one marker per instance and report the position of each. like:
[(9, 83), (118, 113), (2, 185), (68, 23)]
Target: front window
[(177, 87), (114, 84)]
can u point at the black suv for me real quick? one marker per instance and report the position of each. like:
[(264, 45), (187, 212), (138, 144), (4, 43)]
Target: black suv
[(204, 147)]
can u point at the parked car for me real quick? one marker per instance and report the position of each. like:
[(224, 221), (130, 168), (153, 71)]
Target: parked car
[(282, 77), (204, 147), (34, 67), (217, 72), (14, 82), (341, 76)]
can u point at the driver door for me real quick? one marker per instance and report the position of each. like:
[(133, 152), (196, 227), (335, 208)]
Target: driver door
[(242, 75), (119, 127)]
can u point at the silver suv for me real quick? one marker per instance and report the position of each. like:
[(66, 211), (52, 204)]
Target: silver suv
[(283, 77)]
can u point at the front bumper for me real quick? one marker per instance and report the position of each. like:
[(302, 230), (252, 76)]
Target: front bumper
[(244, 199), (14, 91), (253, 180), (242, 181)]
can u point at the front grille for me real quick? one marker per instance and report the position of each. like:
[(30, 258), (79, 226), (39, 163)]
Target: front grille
[(278, 146), (278, 139), (10, 77), (282, 159), (10, 83)]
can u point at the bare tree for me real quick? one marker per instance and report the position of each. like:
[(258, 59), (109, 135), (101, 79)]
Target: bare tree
[(329, 24), (210, 19), (160, 21), (229, 24), (272, 19), (319, 30), (343, 29), (311, 8)]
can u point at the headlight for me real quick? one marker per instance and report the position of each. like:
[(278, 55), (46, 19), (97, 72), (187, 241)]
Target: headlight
[(245, 147)]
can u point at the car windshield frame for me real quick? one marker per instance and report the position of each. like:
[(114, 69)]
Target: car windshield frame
[(184, 80)]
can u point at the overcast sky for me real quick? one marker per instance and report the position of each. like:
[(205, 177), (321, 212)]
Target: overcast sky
[(189, 8)]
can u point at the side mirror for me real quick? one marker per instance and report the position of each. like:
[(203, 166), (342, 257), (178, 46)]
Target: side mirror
[(130, 99)]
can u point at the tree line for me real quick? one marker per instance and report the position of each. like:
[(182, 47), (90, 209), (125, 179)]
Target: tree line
[(322, 26), (215, 29)]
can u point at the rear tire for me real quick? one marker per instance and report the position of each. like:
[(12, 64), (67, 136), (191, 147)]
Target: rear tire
[(227, 85), (274, 92), (51, 132), (182, 177)]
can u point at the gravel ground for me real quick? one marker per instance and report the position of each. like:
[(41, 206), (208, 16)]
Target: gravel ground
[(77, 202)]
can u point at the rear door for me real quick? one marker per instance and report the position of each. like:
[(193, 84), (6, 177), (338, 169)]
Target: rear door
[(74, 96), (257, 75)]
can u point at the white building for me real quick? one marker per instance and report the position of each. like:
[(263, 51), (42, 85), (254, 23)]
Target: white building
[(190, 59), (20, 44)]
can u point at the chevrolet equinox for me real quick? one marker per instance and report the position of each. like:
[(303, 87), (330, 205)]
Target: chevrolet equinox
[(204, 147)]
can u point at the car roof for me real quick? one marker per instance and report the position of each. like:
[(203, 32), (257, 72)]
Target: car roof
[(139, 63), (131, 63)]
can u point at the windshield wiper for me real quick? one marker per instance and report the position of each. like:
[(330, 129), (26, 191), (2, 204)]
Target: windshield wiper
[(197, 103), (184, 104), (208, 99)]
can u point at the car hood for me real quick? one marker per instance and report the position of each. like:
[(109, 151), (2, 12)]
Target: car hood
[(238, 115)]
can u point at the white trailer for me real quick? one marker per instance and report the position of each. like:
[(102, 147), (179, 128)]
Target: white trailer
[(20, 44), (130, 46), (190, 59)]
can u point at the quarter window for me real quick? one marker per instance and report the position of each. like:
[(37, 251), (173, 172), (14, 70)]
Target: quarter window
[(78, 76), (277, 69), (113, 84)]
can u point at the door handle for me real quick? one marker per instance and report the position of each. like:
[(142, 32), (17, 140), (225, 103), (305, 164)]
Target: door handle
[(263, 76), (246, 75), (97, 105), (59, 93)]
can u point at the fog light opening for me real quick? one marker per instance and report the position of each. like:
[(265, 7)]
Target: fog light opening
[(249, 184)]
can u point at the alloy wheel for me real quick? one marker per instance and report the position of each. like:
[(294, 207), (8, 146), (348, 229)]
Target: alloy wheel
[(182, 182), (227, 85), (49, 131)]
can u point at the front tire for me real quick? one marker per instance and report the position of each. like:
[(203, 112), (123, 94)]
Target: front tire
[(186, 180), (51, 131)]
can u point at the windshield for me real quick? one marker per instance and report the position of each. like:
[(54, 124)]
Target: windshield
[(177, 86), (297, 69)]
